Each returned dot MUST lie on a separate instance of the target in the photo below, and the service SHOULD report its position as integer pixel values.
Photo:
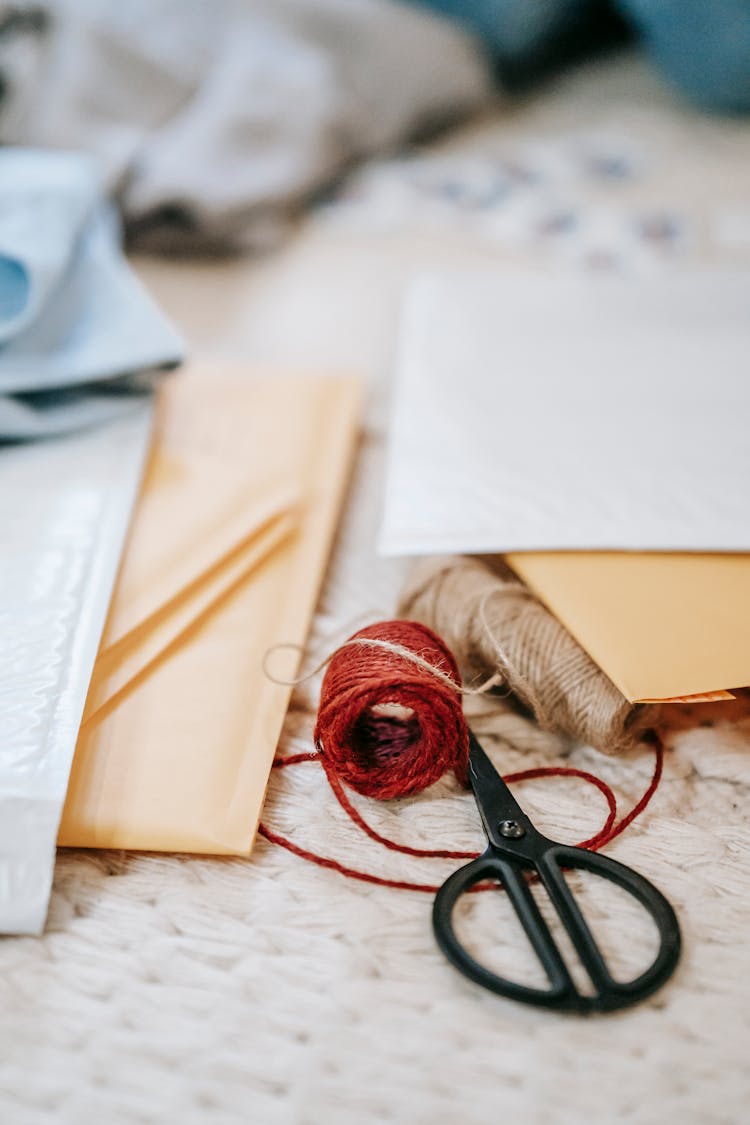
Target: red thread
(369, 747)
(390, 728)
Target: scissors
(515, 849)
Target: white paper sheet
(64, 509)
(536, 413)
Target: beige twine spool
(493, 623)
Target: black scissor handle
(562, 993)
(611, 994)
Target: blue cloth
(701, 46)
(516, 30)
(72, 312)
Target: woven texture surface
(224, 992)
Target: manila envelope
(181, 723)
(119, 664)
(662, 626)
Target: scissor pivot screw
(511, 829)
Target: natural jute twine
(493, 624)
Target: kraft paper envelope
(661, 626)
(199, 507)
(200, 500)
(179, 759)
(119, 665)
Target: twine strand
(492, 681)
(390, 724)
(608, 832)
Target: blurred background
(219, 124)
(359, 140)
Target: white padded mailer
(64, 511)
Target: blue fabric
(515, 28)
(47, 414)
(14, 290)
(72, 313)
(701, 46)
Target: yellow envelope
(202, 497)
(179, 760)
(119, 665)
(662, 626)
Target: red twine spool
(390, 726)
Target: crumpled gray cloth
(216, 120)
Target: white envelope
(571, 413)
(64, 510)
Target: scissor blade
(498, 807)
